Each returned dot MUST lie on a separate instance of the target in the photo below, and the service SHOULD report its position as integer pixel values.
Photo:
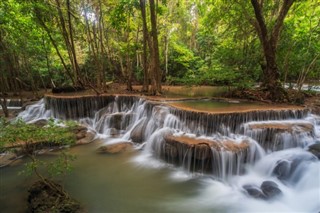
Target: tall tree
(155, 65)
(145, 87)
(269, 38)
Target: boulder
(200, 154)
(270, 189)
(67, 89)
(287, 168)
(112, 132)
(40, 122)
(282, 170)
(7, 159)
(115, 148)
(159, 114)
(203, 147)
(276, 135)
(254, 191)
(315, 149)
(88, 138)
(137, 134)
(291, 127)
(83, 135)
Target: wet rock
(286, 169)
(315, 149)
(137, 134)
(159, 114)
(83, 135)
(270, 189)
(116, 120)
(112, 132)
(88, 138)
(40, 122)
(27, 103)
(283, 170)
(7, 159)
(254, 191)
(296, 127)
(43, 198)
(199, 154)
(115, 148)
(276, 135)
(66, 89)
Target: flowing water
(156, 177)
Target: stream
(247, 149)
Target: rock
(88, 138)
(41, 122)
(112, 132)
(83, 135)
(282, 170)
(115, 148)
(270, 189)
(199, 154)
(296, 127)
(315, 149)
(66, 89)
(279, 135)
(43, 198)
(7, 158)
(137, 134)
(27, 103)
(287, 168)
(159, 114)
(254, 191)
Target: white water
(300, 189)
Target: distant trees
(45, 43)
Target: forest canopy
(49, 43)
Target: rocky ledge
(201, 154)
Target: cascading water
(256, 160)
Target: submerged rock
(41, 122)
(290, 169)
(284, 126)
(115, 148)
(137, 134)
(204, 155)
(279, 135)
(83, 135)
(270, 189)
(66, 89)
(9, 158)
(315, 149)
(254, 191)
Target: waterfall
(249, 152)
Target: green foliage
(19, 131)
(200, 43)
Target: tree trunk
(269, 40)
(145, 87)
(156, 78)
